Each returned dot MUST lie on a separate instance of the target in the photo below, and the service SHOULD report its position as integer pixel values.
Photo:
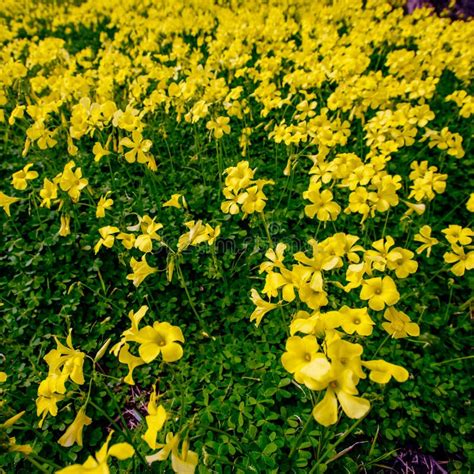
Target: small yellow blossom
(399, 324)
(141, 270)
(20, 178)
(424, 236)
(73, 434)
(6, 202)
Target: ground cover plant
(236, 237)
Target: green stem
(453, 360)
(267, 230)
(381, 345)
(338, 442)
(190, 300)
(298, 439)
(37, 465)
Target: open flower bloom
(48, 193)
(356, 320)
(379, 292)
(73, 434)
(462, 261)
(455, 234)
(303, 360)
(72, 181)
(316, 323)
(20, 178)
(50, 392)
(161, 338)
(139, 148)
(66, 361)
(98, 464)
(399, 325)
(424, 236)
(340, 387)
(107, 237)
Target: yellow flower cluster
(242, 192)
(348, 97)
(161, 338)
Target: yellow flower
(262, 307)
(107, 237)
(184, 462)
(404, 265)
(139, 148)
(48, 192)
(98, 463)
(219, 126)
(6, 202)
(382, 255)
(382, 372)
(140, 269)
(239, 176)
(461, 260)
(3, 377)
(379, 292)
(356, 320)
(171, 444)
(322, 204)
(64, 229)
(99, 152)
(234, 199)
(399, 325)
(20, 178)
(11, 445)
(303, 360)
(72, 181)
(275, 258)
(175, 201)
(12, 420)
(103, 204)
(345, 355)
(181, 463)
(73, 434)
(50, 391)
(154, 420)
(128, 240)
(455, 234)
(161, 338)
(470, 203)
(317, 323)
(149, 229)
(417, 208)
(424, 236)
(340, 387)
(66, 361)
(198, 233)
(125, 357)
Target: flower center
(356, 321)
(307, 357)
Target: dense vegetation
(235, 237)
